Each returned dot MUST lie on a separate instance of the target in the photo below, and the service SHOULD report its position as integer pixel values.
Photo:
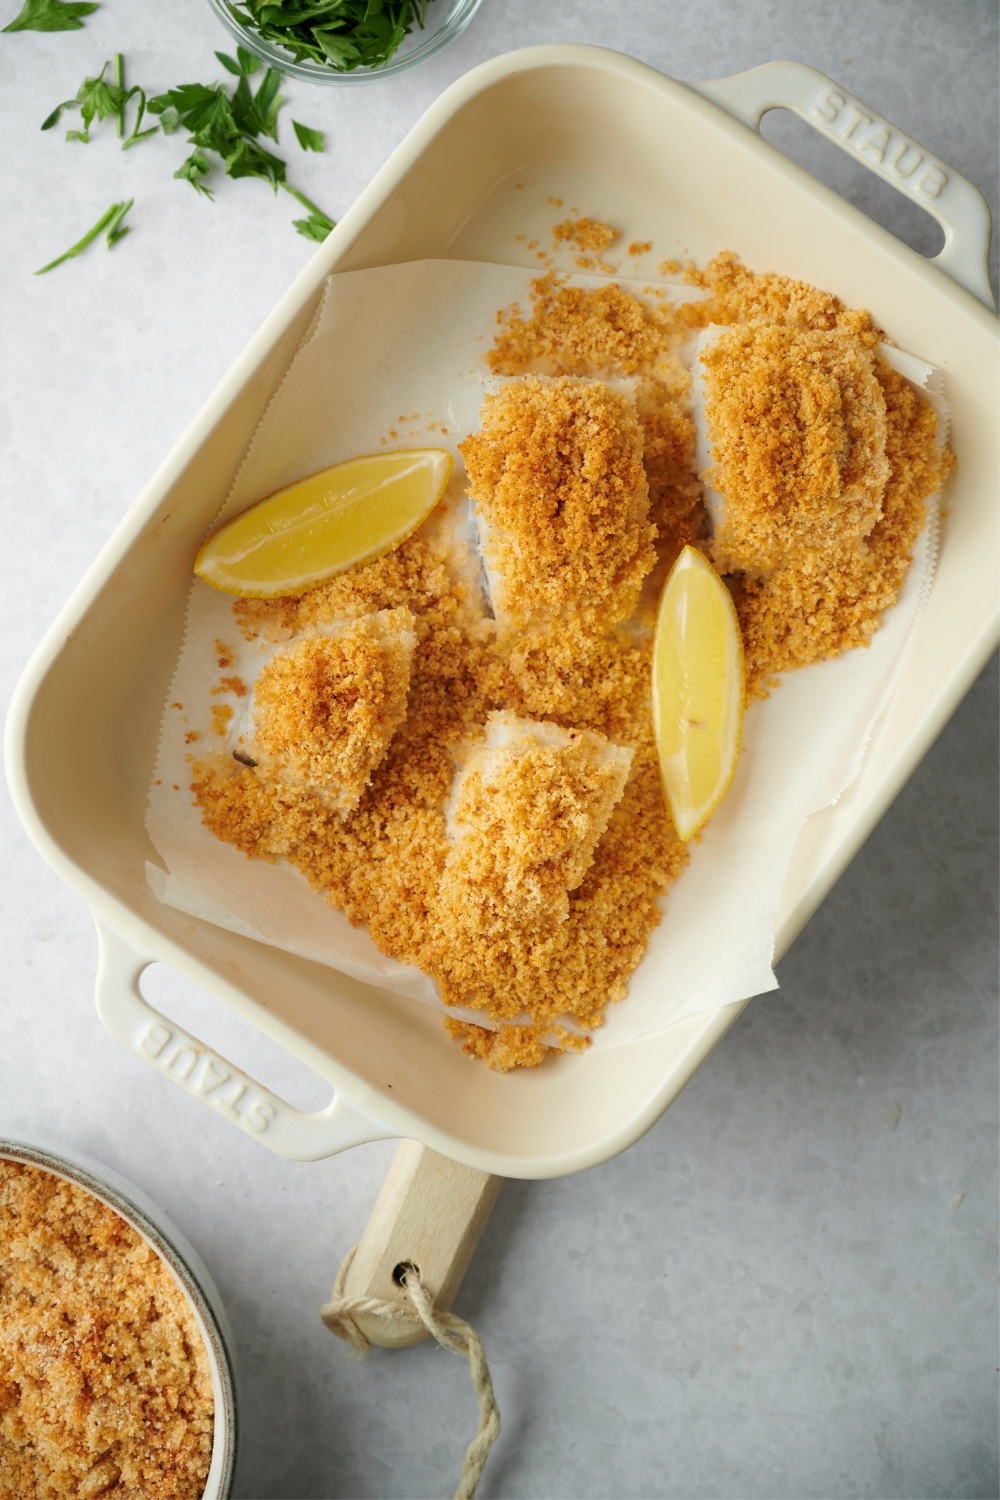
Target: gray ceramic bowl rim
(148, 1220)
(278, 57)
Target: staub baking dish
(681, 164)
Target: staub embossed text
(878, 143)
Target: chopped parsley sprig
(309, 140)
(227, 125)
(97, 96)
(340, 34)
(230, 126)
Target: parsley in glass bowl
(344, 41)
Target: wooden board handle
(430, 1214)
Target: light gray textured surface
(772, 1294)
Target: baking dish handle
(289, 1132)
(959, 208)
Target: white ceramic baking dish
(189, 1271)
(685, 166)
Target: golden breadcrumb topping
(556, 473)
(605, 331)
(832, 597)
(796, 420)
(326, 708)
(105, 1385)
(833, 601)
(530, 806)
(586, 234)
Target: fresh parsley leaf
(110, 220)
(266, 98)
(318, 224)
(251, 160)
(309, 140)
(50, 15)
(243, 64)
(339, 50)
(258, 114)
(194, 169)
(95, 97)
(230, 125)
(247, 61)
(199, 107)
(316, 227)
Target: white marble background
(774, 1293)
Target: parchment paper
(394, 352)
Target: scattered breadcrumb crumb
(586, 234)
(503, 1049)
(669, 267)
(640, 247)
(738, 295)
(105, 1385)
(221, 715)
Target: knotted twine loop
(451, 1332)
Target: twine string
(340, 1316)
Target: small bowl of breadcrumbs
(116, 1369)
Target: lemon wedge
(327, 524)
(699, 690)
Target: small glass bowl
(446, 19)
